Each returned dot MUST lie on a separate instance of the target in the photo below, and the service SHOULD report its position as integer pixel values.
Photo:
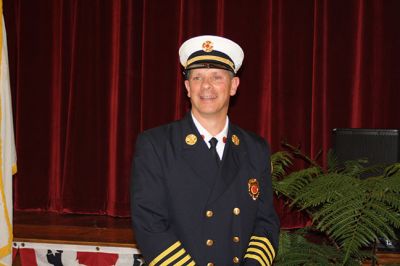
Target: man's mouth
(208, 97)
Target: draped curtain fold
(88, 76)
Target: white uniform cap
(209, 51)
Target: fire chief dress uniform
(189, 210)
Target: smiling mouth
(208, 97)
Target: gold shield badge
(191, 139)
(207, 46)
(235, 140)
(254, 189)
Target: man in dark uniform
(201, 186)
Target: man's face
(209, 90)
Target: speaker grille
(379, 146)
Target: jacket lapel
(233, 160)
(196, 153)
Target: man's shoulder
(248, 135)
(164, 133)
(257, 147)
(161, 131)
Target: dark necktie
(213, 149)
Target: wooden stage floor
(74, 229)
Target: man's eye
(196, 78)
(217, 77)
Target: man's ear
(187, 86)
(234, 85)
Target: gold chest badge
(254, 189)
(235, 140)
(191, 139)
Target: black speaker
(379, 146)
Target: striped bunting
(261, 250)
(174, 255)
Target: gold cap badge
(207, 46)
(254, 189)
(235, 140)
(191, 139)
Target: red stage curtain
(88, 76)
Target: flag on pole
(7, 152)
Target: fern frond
(354, 167)
(374, 170)
(390, 199)
(391, 183)
(295, 249)
(324, 189)
(386, 212)
(280, 162)
(296, 181)
(392, 170)
(356, 219)
(333, 161)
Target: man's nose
(206, 84)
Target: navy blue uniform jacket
(188, 211)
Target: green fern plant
(295, 249)
(351, 212)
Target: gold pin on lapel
(254, 189)
(191, 139)
(235, 140)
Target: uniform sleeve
(263, 244)
(151, 224)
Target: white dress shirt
(221, 136)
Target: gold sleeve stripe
(263, 247)
(174, 257)
(260, 254)
(183, 260)
(165, 253)
(255, 257)
(191, 263)
(211, 57)
(266, 240)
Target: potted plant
(349, 214)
